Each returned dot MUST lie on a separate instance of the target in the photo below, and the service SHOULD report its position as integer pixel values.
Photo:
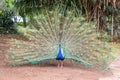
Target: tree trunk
(24, 21)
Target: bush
(6, 23)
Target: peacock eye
(52, 19)
(92, 39)
(40, 30)
(98, 42)
(58, 21)
(93, 26)
(53, 25)
(98, 34)
(46, 24)
(75, 29)
(93, 45)
(67, 18)
(35, 17)
(51, 12)
(86, 42)
(30, 47)
(85, 24)
(69, 12)
(89, 31)
(82, 29)
(18, 46)
(105, 46)
(43, 18)
(64, 25)
(11, 49)
(39, 23)
(71, 24)
(74, 18)
(64, 30)
(82, 18)
(13, 57)
(59, 14)
(91, 50)
(97, 49)
(79, 23)
(36, 36)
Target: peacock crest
(76, 36)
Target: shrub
(6, 23)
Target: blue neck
(60, 53)
(60, 49)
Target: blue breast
(60, 54)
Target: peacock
(57, 34)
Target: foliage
(9, 4)
(93, 9)
(27, 6)
(2, 4)
(102, 11)
(6, 22)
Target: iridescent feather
(76, 36)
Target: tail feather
(74, 33)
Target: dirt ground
(47, 73)
(47, 70)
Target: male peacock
(55, 31)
